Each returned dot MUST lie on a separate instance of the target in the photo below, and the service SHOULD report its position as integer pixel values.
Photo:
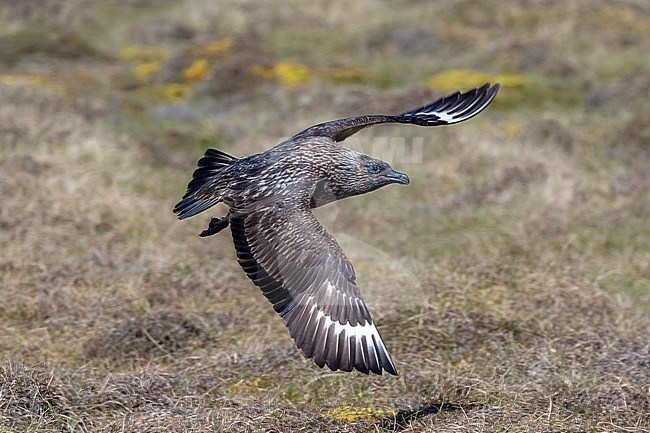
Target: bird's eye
(373, 168)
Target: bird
(282, 247)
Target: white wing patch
(367, 330)
(361, 341)
(450, 117)
(441, 115)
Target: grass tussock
(155, 333)
(510, 280)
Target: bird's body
(281, 245)
(313, 166)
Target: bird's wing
(304, 273)
(451, 109)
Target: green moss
(49, 42)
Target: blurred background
(511, 278)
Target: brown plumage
(283, 248)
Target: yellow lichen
(455, 79)
(137, 52)
(516, 89)
(33, 81)
(286, 73)
(347, 75)
(197, 71)
(17, 79)
(131, 52)
(215, 48)
(348, 413)
(172, 90)
(145, 70)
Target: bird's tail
(196, 200)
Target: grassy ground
(510, 280)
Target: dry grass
(510, 280)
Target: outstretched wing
(304, 273)
(451, 109)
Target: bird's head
(362, 173)
(377, 173)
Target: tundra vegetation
(510, 280)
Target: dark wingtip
(494, 88)
(391, 369)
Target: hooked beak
(397, 177)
